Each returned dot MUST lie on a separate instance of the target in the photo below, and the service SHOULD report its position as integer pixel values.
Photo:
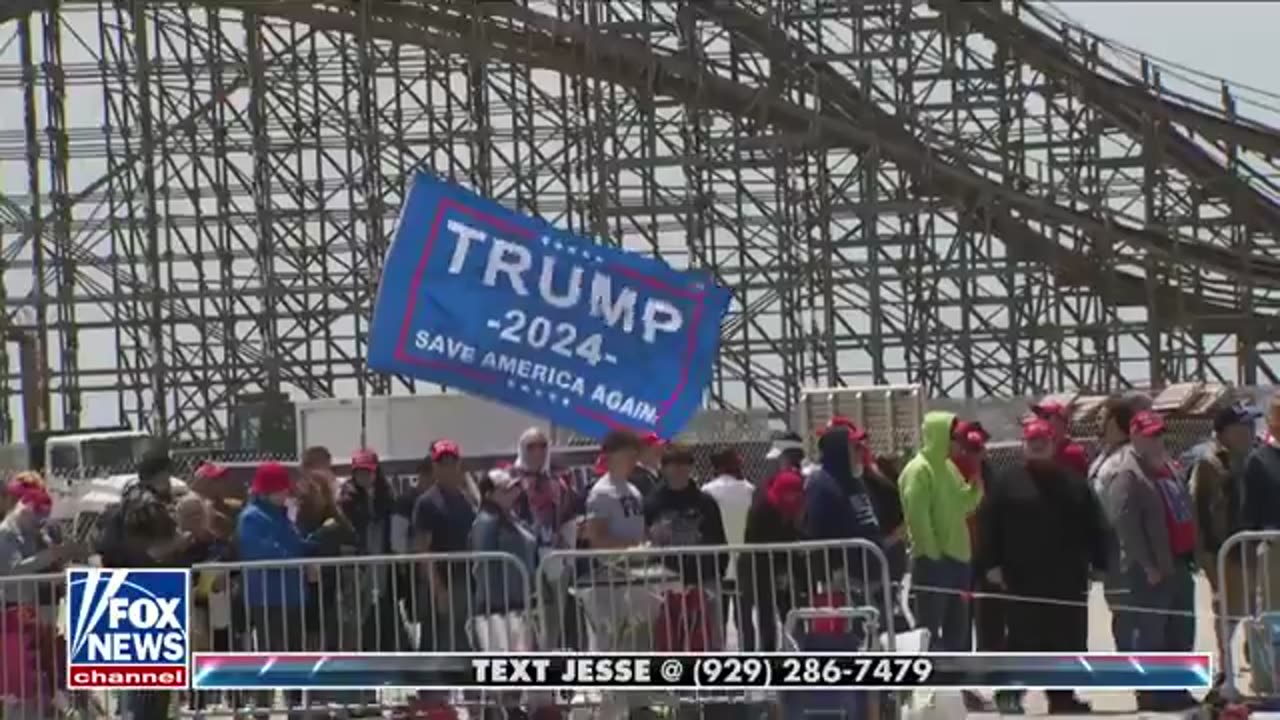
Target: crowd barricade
(703, 599)
(32, 648)
(1247, 596)
(454, 602)
(655, 599)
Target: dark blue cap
(1241, 413)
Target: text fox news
(128, 629)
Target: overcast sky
(1234, 40)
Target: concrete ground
(1115, 704)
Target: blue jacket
(265, 532)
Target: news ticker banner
(702, 671)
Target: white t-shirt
(618, 504)
(734, 497)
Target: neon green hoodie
(935, 497)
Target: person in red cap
(368, 502)
(1041, 536)
(886, 500)
(1150, 511)
(648, 473)
(1071, 454)
(442, 521)
(276, 598)
(12, 489)
(766, 579)
(24, 547)
(969, 455)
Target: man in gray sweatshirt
(1151, 514)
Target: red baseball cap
(1049, 409)
(271, 478)
(1037, 430)
(1146, 424)
(210, 471)
(856, 433)
(441, 449)
(651, 440)
(364, 459)
(34, 495)
(971, 433)
(19, 485)
(786, 492)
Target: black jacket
(1262, 488)
(1038, 518)
(695, 520)
(764, 570)
(362, 511)
(645, 480)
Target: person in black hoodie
(1041, 516)
(368, 504)
(838, 507)
(769, 580)
(678, 514)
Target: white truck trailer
(403, 426)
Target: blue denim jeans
(940, 588)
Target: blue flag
(502, 305)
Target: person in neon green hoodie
(937, 500)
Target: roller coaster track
(1208, 121)
(1129, 105)
(517, 34)
(995, 187)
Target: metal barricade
(676, 599)
(1247, 591)
(33, 651)
(455, 602)
(441, 602)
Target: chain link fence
(1189, 422)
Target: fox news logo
(128, 629)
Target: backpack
(684, 623)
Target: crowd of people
(997, 561)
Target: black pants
(1061, 626)
(990, 619)
(768, 603)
